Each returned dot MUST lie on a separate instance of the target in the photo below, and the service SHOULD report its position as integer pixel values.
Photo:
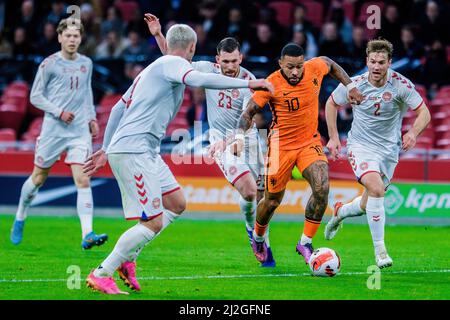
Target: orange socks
(310, 228)
(260, 230)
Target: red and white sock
(376, 219)
(351, 209)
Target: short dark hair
(228, 45)
(292, 50)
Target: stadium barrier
(206, 190)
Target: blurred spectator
(390, 25)
(213, 24)
(237, 28)
(357, 49)
(434, 25)
(409, 46)
(331, 44)
(343, 25)
(88, 17)
(21, 45)
(266, 43)
(6, 49)
(113, 22)
(436, 68)
(48, 43)
(88, 45)
(203, 46)
(268, 16)
(28, 20)
(197, 110)
(112, 47)
(136, 46)
(138, 24)
(132, 70)
(300, 22)
(307, 43)
(57, 12)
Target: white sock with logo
(376, 220)
(27, 194)
(85, 209)
(248, 209)
(351, 209)
(127, 248)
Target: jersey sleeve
(410, 96)
(247, 93)
(89, 98)
(37, 97)
(177, 69)
(321, 66)
(262, 97)
(339, 95)
(203, 66)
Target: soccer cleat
(250, 235)
(333, 225)
(93, 239)
(17, 232)
(260, 250)
(383, 260)
(105, 285)
(127, 272)
(270, 262)
(305, 250)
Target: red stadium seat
(422, 90)
(19, 85)
(284, 11)
(7, 135)
(127, 9)
(10, 117)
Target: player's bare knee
(179, 206)
(154, 224)
(249, 194)
(273, 204)
(376, 190)
(82, 182)
(39, 179)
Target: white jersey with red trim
(377, 120)
(152, 102)
(224, 107)
(64, 85)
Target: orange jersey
(295, 109)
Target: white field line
(238, 276)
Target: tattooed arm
(338, 73)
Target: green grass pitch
(213, 260)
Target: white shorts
(250, 161)
(143, 180)
(49, 150)
(364, 161)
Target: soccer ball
(324, 262)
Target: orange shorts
(279, 163)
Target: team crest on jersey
(315, 82)
(232, 170)
(40, 160)
(235, 93)
(387, 96)
(364, 166)
(83, 69)
(156, 203)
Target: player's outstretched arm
(237, 139)
(337, 72)
(333, 145)
(155, 29)
(422, 120)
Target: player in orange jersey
(293, 140)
